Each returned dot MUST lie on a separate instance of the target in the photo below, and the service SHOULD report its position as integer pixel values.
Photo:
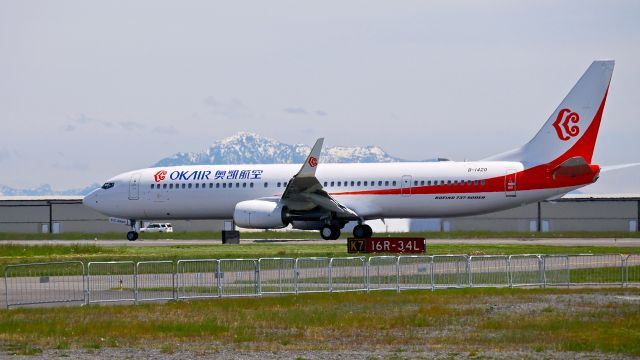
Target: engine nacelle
(259, 214)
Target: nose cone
(91, 200)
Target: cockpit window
(108, 185)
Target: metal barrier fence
(382, 273)
(111, 281)
(348, 274)
(198, 279)
(526, 270)
(42, 283)
(156, 280)
(313, 275)
(118, 281)
(277, 275)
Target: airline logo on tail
(563, 124)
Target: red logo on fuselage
(563, 124)
(313, 162)
(160, 175)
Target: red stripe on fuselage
(535, 178)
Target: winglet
(311, 163)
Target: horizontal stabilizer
(573, 167)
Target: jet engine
(260, 214)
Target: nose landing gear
(133, 234)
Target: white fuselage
(373, 190)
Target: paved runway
(171, 242)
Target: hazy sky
(89, 89)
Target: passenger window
(422, 183)
(482, 183)
(386, 183)
(224, 185)
(455, 182)
(332, 183)
(358, 183)
(170, 186)
(284, 184)
(415, 183)
(190, 185)
(279, 184)
(197, 185)
(339, 183)
(237, 185)
(217, 185)
(394, 183)
(250, 185)
(365, 183)
(379, 183)
(153, 185)
(244, 185)
(266, 184)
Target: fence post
(509, 274)
(469, 274)
(295, 276)
(135, 282)
(218, 276)
(433, 282)
(258, 278)
(398, 273)
(331, 275)
(6, 288)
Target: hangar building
(59, 214)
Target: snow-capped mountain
(242, 148)
(45, 189)
(250, 148)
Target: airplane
(325, 197)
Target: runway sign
(396, 245)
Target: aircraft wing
(304, 191)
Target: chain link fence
(127, 281)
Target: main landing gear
(133, 234)
(330, 232)
(362, 231)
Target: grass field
(11, 254)
(478, 320)
(315, 235)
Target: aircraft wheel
(368, 231)
(326, 232)
(335, 232)
(132, 236)
(359, 231)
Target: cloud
(165, 130)
(6, 154)
(131, 125)
(72, 166)
(83, 120)
(232, 109)
(297, 110)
